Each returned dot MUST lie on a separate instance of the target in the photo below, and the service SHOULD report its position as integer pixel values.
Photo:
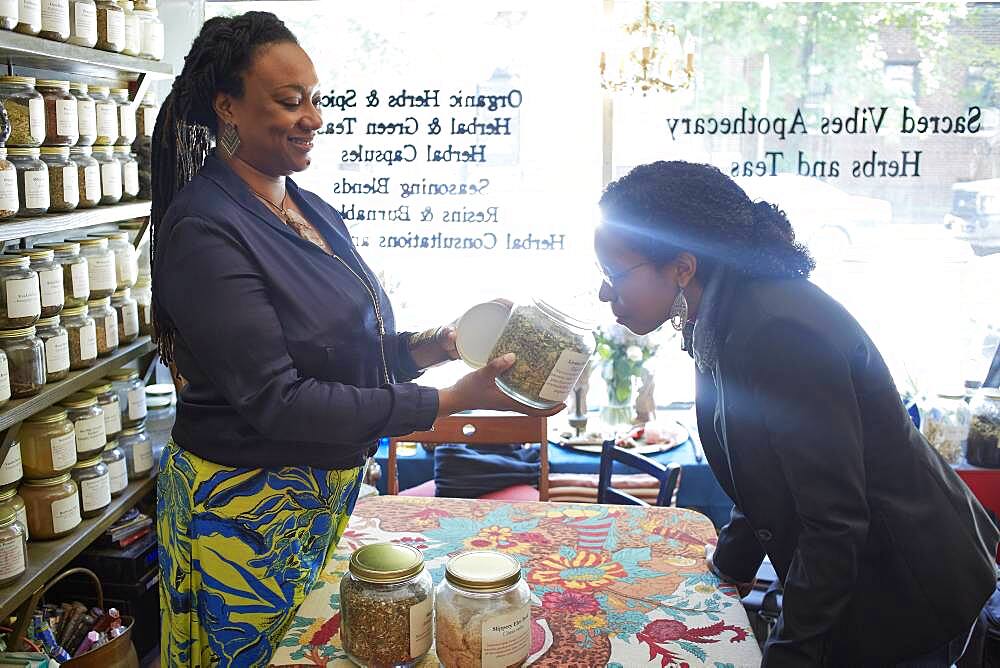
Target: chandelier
(648, 57)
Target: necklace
(279, 209)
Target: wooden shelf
(25, 51)
(20, 409)
(47, 559)
(53, 223)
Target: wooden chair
(478, 429)
(669, 476)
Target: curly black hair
(664, 208)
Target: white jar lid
(478, 330)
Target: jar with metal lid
(88, 176)
(114, 457)
(48, 443)
(76, 278)
(29, 17)
(53, 506)
(145, 116)
(483, 612)
(133, 34)
(386, 606)
(100, 266)
(984, 428)
(5, 389)
(56, 341)
(944, 421)
(64, 179)
(106, 322)
(32, 181)
(8, 14)
(11, 501)
(86, 112)
(132, 395)
(11, 471)
(111, 174)
(20, 297)
(62, 118)
(94, 482)
(143, 295)
(9, 203)
(55, 20)
(25, 110)
(138, 449)
(152, 30)
(126, 263)
(82, 337)
(110, 26)
(126, 117)
(107, 399)
(83, 24)
(50, 279)
(88, 424)
(13, 545)
(127, 312)
(130, 173)
(161, 415)
(106, 112)
(26, 360)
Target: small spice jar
(20, 298)
(55, 20)
(130, 173)
(29, 17)
(152, 29)
(106, 112)
(64, 179)
(86, 112)
(50, 279)
(107, 399)
(88, 424)
(132, 395)
(114, 457)
(133, 34)
(483, 612)
(11, 471)
(145, 116)
(106, 323)
(110, 26)
(83, 23)
(984, 428)
(100, 266)
(52, 505)
(94, 482)
(126, 117)
(32, 181)
(25, 110)
(11, 501)
(82, 337)
(8, 14)
(386, 606)
(143, 295)
(5, 389)
(138, 449)
(126, 262)
(944, 421)
(26, 359)
(127, 312)
(111, 174)
(9, 203)
(56, 340)
(88, 174)
(62, 117)
(13, 545)
(76, 277)
(48, 444)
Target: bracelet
(426, 336)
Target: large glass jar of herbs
(132, 395)
(984, 429)
(143, 295)
(127, 312)
(88, 172)
(50, 279)
(25, 359)
(386, 606)
(100, 266)
(111, 174)
(152, 29)
(126, 262)
(55, 20)
(944, 421)
(62, 117)
(76, 277)
(106, 323)
(106, 113)
(107, 399)
(8, 186)
(56, 341)
(86, 113)
(29, 17)
(48, 444)
(94, 482)
(83, 23)
(133, 36)
(64, 179)
(126, 117)
(114, 457)
(82, 337)
(130, 173)
(138, 449)
(88, 424)
(20, 298)
(32, 181)
(53, 507)
(110, 26)
(25, 110)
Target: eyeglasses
(612, 278)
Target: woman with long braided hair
(884, 555)
(285, 339)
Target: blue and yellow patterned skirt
(239, 550)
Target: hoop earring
(229, 140)
(679, 310)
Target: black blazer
(883, 551)
(278, 340)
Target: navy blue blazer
(278, 340)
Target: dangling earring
(679, 310)
(229, 140)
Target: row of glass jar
(957, 429)
(119, 26)
(60, 113)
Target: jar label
(118, 474)
(4, 379)
(63, 451)
(507, 639)
(102, 272)
(22, 517)
(11, 470)
(116, 27)
(111, 331)
(142, 456)
(96, 492)
(148, 120)
(51, 281)
(112, 417)
(57, 354)
(80, 276)
(147, 314)
(421, 627)
(8, 191)
(137, 403)
(90, 434)
(23, 300)
(36, 189)
(55, 18)
(127, 121)
(564, 375)
(88, 341)
(111, 179)
(71, 184)
(36, 117)
(92, 183)
(154, 39)
(133, 38)
(107, 120)
(130, 318)
(12, 562)
(66, 514)
(30, 12)
(86, 113)
(132, 178)
(67, 118)
(86, 29)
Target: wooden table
(619, 586)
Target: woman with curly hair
(884, 555)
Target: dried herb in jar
(385, 640)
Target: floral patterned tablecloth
(617, 586)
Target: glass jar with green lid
(13, 543)
(83, 23)
(132, 395)
(50, 279)
(32, 181)
(29, 17)
(8, 14)
(114, 457)
(106, 322)
(94, 482)
(143, 295)
(86, 113)
(107, 399)
(11, 471)
(10, 500)
(126, 262)
(110, 26)
(9, 203)
(100, 266)
(52, 505)
(76, 278)
(82, 337)
(386, 587)
(26, 361)
(138, 449)
(20, 299)
(64, 179)
(25, 110)
(55, 20)
(152, 29)
(88, 424)
(126, 117)
(88, 175)
(130, 173)
(106, 112)
(111, 174)
(62, 118)
(133, 34)
(48, 443)
(127, 312)
(56, 341)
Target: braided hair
(187, 124)
(664, 208)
